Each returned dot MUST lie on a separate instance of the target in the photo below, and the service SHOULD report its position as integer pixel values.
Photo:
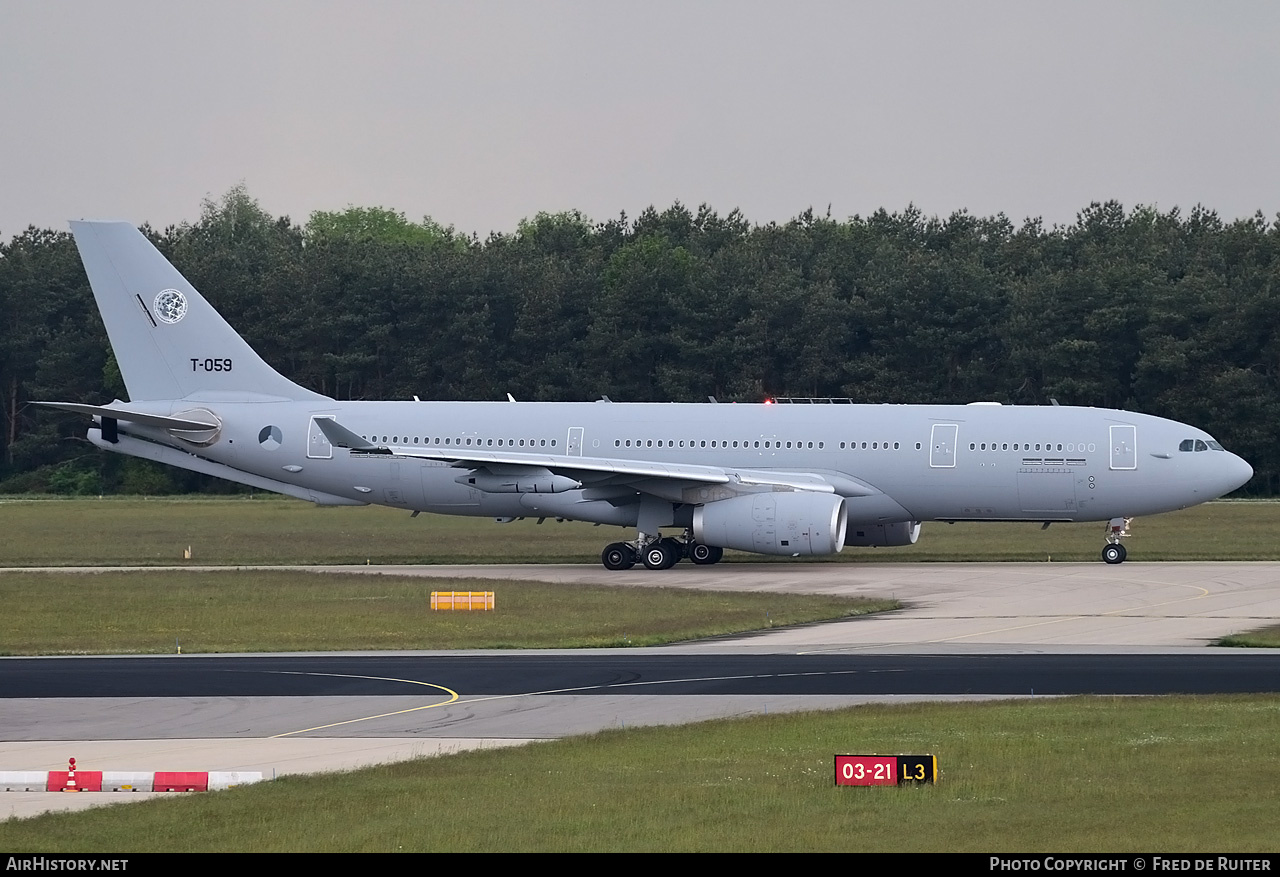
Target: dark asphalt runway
(523, 673)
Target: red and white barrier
(74, 780)
(24, 780)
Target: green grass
(1262, 638)
(153, 617)
(153, 612)
(1184, 774)
(241, 530)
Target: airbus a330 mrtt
(780, 479)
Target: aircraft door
(1047, 490)
(1124, 447)
(394, 492)
(942, 445)
(574, 446)
(318, 447)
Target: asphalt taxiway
(969, 631)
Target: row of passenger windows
(469, 442)
(767, 444)
(1027, 446)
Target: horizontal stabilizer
(157, 420)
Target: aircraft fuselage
(891, 462)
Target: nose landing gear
(1117, 529)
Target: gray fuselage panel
(994, 463)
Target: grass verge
(156, 611)
(1182, 774)
(119, 531)
(1262, 638)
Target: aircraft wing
(645, 476)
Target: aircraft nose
(1238, 473)
(1220, 473)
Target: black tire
(1114, 553)
(679, 549)
(618, 555)
(659, 555)
(705, 555)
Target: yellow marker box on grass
(468, 600)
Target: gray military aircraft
(781, 479)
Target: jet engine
(901, 533)
(790, 523)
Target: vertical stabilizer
(169, 342)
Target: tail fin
(169, 342)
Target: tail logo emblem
(171, 306)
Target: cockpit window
(1187, 444)
(1199, 445)
(1215, 446)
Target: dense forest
(1165, 313)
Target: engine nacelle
(901, 533)
(790, 523)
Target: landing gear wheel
(618, 555)
(705, 555)
(660, 555)
(1114, 553)
(677, 547)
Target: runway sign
(885, 770)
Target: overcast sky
(480, 114)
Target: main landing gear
(659, 552)
(1117, 529)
